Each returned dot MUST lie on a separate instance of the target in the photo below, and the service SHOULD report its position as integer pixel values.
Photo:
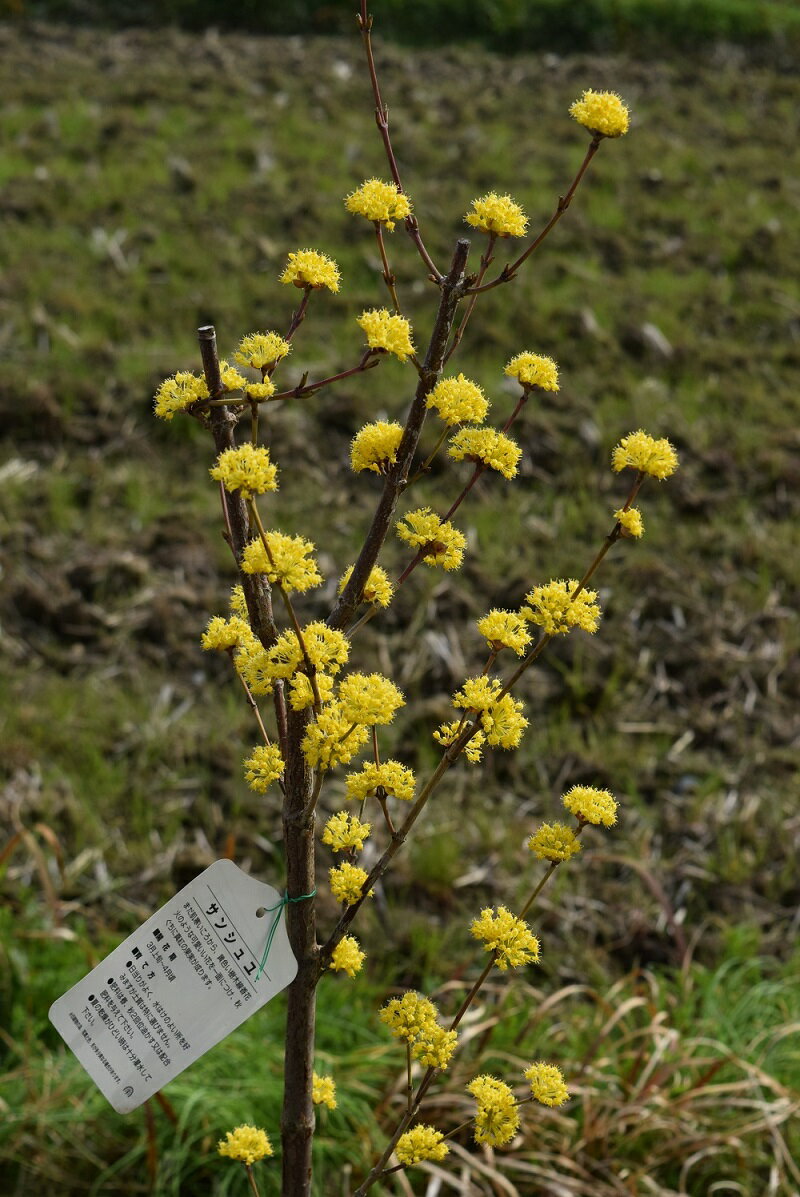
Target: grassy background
(138, 203)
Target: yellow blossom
(630, 520)
(420, 1143)
(260, 390)
(497, 214)
(590, 805)
(225, 633)
(347, 956)
(327, 650)
(347, 883)
(409, 1016)
(477, 693)
(547, 1084)
(369, 698)
(508, 937)
(308, 268)
(434, 1046)
(638, 451)
(497, 1116)
(458, 401)
(440, 543)
(382, 202)
(392, 777)
(230, 377)
(344, 831)
(247, 469)
(301, 692)
(247, 1144)
(178, 392)
(238, 603)
(504, 723)
(332, 739)
(534, 370)
(493, 449)
(447, 733)
(601, 112)
(323, 1091)
(261, 350)
(554, 842)
(263, 766)
(375, 447)
(290, 564)
(553, 608)
(387, 331)
(504, 629)
(377, 589)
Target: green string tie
(278, 907)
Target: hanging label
(188, 977)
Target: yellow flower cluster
(392, 777)
(323, 1091)
(230, 377)
(420, 1143)
(347, 956)
(504, 629)
(291, 562)
(247, 469)
(630, 520)
(494, 449)
(533, 370)
(347, 882)
(178, 392)
(414, 1019)
(378, 588)
(387, 331)
(501, 718)
(369, 698)
(308, 268)
(590, 805)
(601, 112)
(344, 831)
(508, 937)
(263, 766)
(440, 542)
(447, 733)
(238, 603)
(247, 1144)
(375, 447)
(327, 651)
(332, 739)
(225, 633)
(552, 607)
(301, 692)
(498, 214)
(554, 842)
(382, 202)
(261, 350)
(458, 401)
(497, 1115)
(638, 451)
(547, 1084)
(260, 390)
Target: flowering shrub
(325, 712)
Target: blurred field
(150, 182)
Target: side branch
(397, 478)
(257, 591)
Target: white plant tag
(177, 986)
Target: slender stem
(368, 362)
(397, 476)
(388, 276)
(564, 201)
(290, 611)
(299, 316)
(252, 1180)
(486, 260)
(382, 121)
(409, 1082)
(423, 469)
(251, 702)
